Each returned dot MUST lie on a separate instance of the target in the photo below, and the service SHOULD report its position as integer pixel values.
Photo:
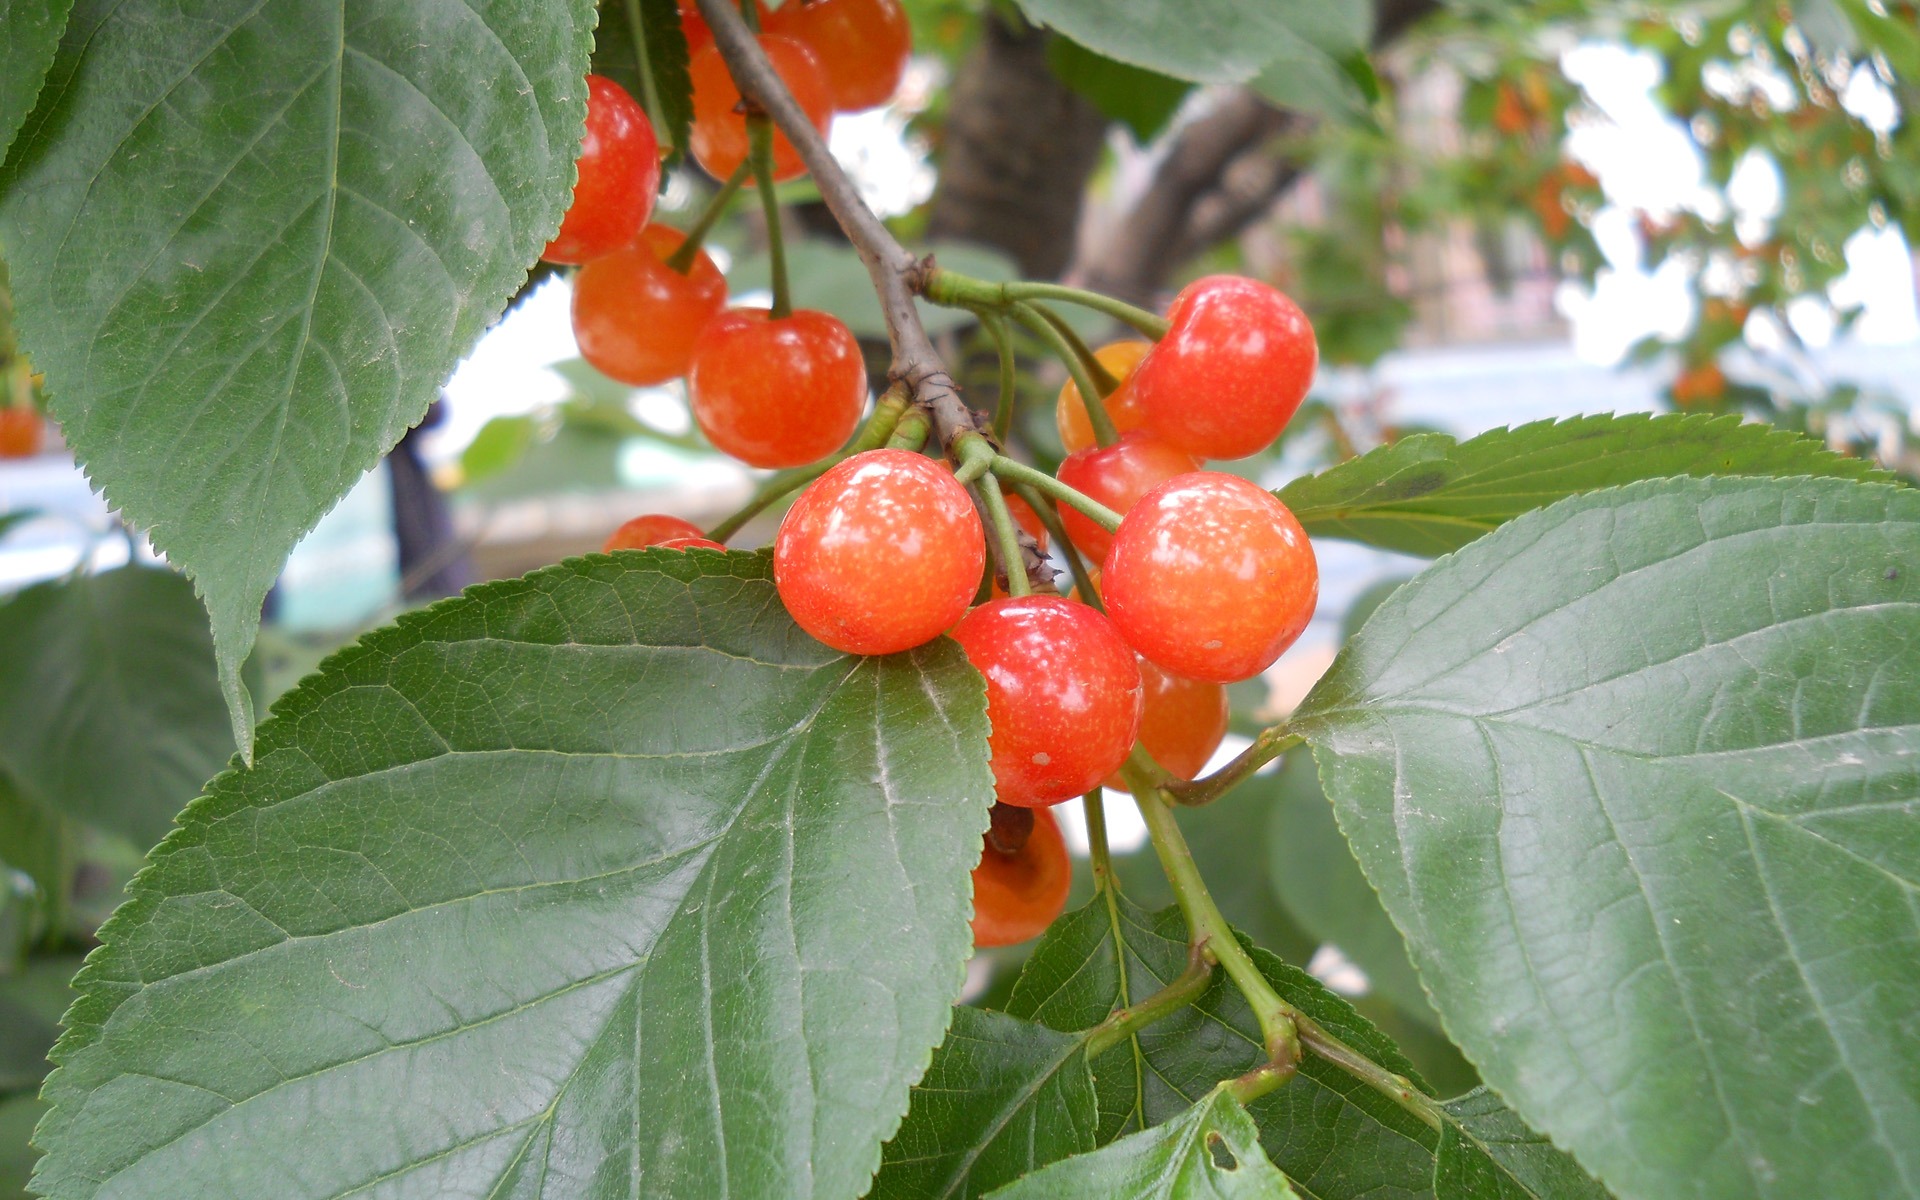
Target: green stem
(1099, 855)
(1261, 1080)
(996, 327)
(750, 13)
(1019, 472)
(1043, 508)
(1106, 381)
(1090, 393)
(760, 138)
(1279, 1021)
(874, 434)
(682, 257)
(1006, 536)
(1271, 744)
(963, 291)
(912, 432)
(1183, 989)
(649, 90)
(1397, 1088)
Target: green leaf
(1637, 776)
(1074, 978)
(1429, 494)
(501, 443)
(602, 882)
(1488, 1151)
(39, 843)
(19, 516)
(31, 1002)
(616, 54)
(1002, 1098)
(1305, 78)
(1144, 101)
(1204, 41)
(109, 709)
(1321, 886)
(248, 243)
(26, 53)
(1210, 1152)
(18, 1115)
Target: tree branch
(892, 267)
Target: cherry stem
(1099, 854)
(1271, 744)
(683, 255)
(963, 291)
(1103, 380)
(911, 433)
(894, 270)
(1183, 989)
(996, 327)
(1397, 1088)
(760, 138)
(649, 90)
(1006, 535)
(1050, 517)
(1279, 1021)
(875, 433)
(1019, 472)
(1090, 394)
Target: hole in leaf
(1222, 1157)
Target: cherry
(880, 554)
(862, 45)
(1210, 577)
(1063, 695)
(698, 33)
(1182, 722)
(1116, 476)
(777, 392)
(1019, 890)
(619, 173)
(635, 317)
(1231, 371)
(650, 529)
(719, 137)
(1120, 359)
(688, 543)
(1027, 519)
(22, 431)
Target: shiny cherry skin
(636, 318)
(698, 33)
(650, 529)
(619, 175)
(1182, 722)
(777, 392)
(1063, 695)
(880, 554)
(719, 137)
(1210, 577)
(1231, 371)
(1120, 359)
(688, 543)
(1026, 518)
(862, 45)
(22, 431)
(1017, 895)
(1117, 476)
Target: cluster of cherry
(771, 389)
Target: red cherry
(22, 431)
(1017, 895)
(699, 34)
(635, 317)
(688, 543)
(880, 554)
(1120, 359)
(862, 45)
(1063, 695)
(719, 137)
(1231, 371)
(1210, 577)
(619, 174)
(1026, 518)
(777, 393)
(650, 529)
(1116, 476)
(1182, 722)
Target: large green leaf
(1142, 100)
(110, 711)
(1002, 1097)
(1333, 1137)
(26, 52)
(1206, 41)
(1210, 1152)
(1429, 494)
(617, 52)
(39, 843)
(1637, 776)
(1488, 1151)
(249, 240)
(602, 882)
